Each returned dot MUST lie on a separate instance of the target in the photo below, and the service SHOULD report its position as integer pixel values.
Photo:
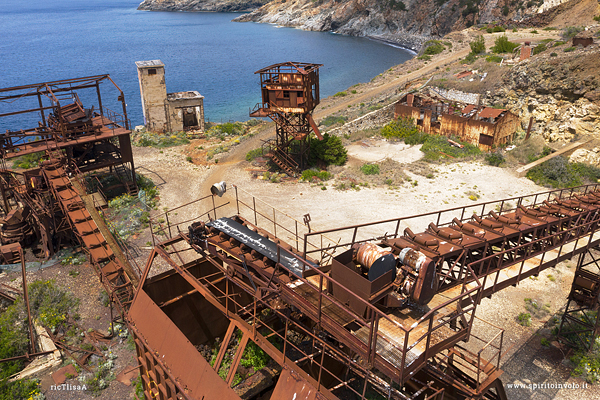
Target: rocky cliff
(201, 5)
(560, 92)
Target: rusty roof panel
(468, 108)
(291, 386)
(176, 351)
(488, 112)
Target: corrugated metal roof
(488, 112)
(468, 108)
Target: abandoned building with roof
(167, 112)
(481, 126)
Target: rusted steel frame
(564, 240)
(585, 187)
(27, 356)
(237, 358)
(151, 352)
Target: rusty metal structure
(356, 312)
(290, 92)
(481, 126)
(51, 204)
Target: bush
(424, 57)
(340, 94)
(494, 159)
(309, 175)
(570, 32)
(436, 147)
(403, 128)
(330, 150)
(559, 173)
(539, 48)
(28, 160)
(553, 54)
(332, 120)
(435, 47)
(569, 49)
(505, 10)
(558, 43)
(370, 169)
(524, 319)
(478, 46)
(503, 45)
(252, 154)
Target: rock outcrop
(561, 93)
(201, 5)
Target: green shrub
(403, 128)
(597, 18)
(494, 159)
(159, 140)
(434, 47)
(252, 154)
(524, 319)
(494, 59)
(226, 129)
(28, 160)
(559, 173)
(553, 54)
(570, 32)
(50, 304)
(569, 49)
(370, 169)
(424, 57)
(539, 48)
(309, 175)
(534, 32)
(330, 150)
(340, 94)
(503, 45)
(332, 120)
(505, 10)
(558, 43)
(436, 147)
(550, 28)
(478, 46)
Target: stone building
(167, 112)
(481, 126)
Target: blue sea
(48, 40)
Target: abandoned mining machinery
(290, 93)
(371, 310)
(55, 202)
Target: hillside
(201, 5)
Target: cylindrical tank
(377, 260)
(368, 253)
(412, 258)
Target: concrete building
(481, 126)
(167, 112)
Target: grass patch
(494, 59)
(313, 175)
(28, 160)
(332, 120)
(150, 139)
(524, 319)
(434, 47)
(569, 49)
(558, 172)
(340, 94)
(539, 48)
(370, 169)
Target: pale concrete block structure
(170, 112)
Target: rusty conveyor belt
(261, 244)
(112, 272)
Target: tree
(503, 45)
(329, 150)
(478, 46)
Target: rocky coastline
(201, 5)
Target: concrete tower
(151, 75)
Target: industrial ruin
(481, 126)
(290, 93)
(346, 312)
(55, 204)
(383, 308)
(172, 112)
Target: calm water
(48, 40)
